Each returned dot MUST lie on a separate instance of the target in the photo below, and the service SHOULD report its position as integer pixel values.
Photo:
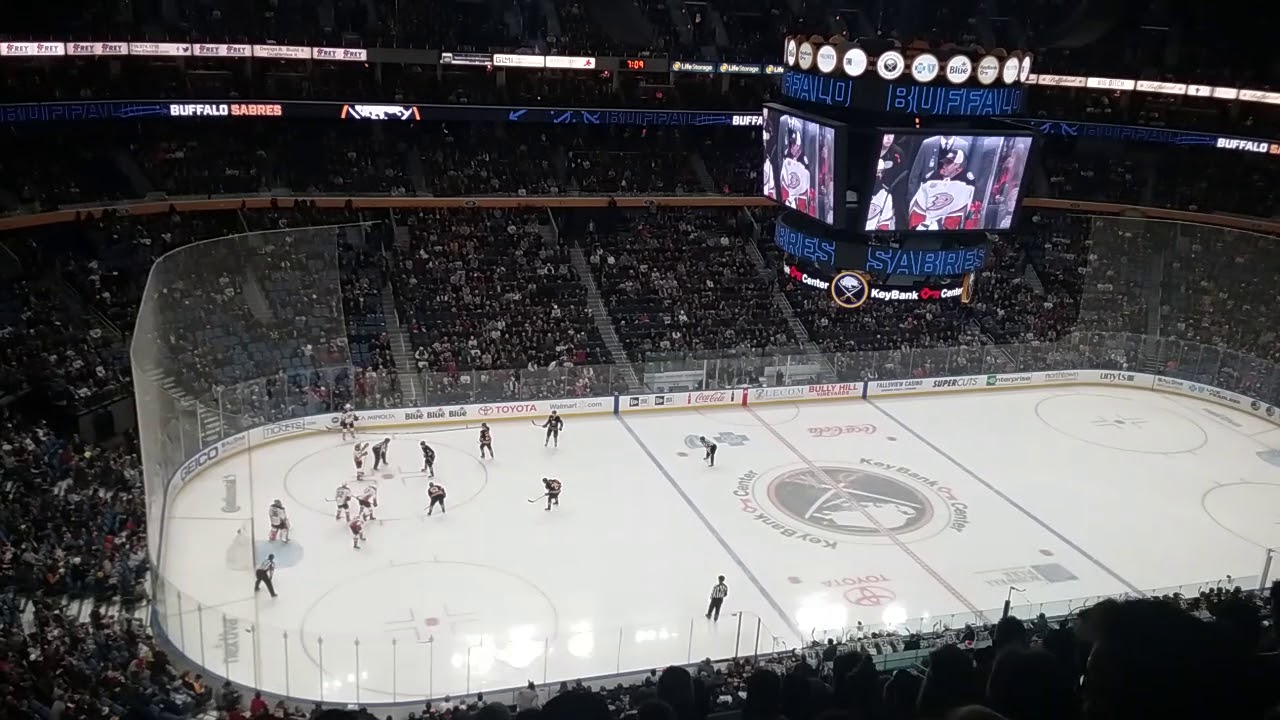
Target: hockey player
(357, 532)
(279, 522)
(552, 488)
(348, 422)
(945, 199)
(368, 501)
(797, 178)
(880, 211)
(710, 457)
(428, 458)
(361, 451)
(553, 425)
(436, 494)
(486, 440)
(342, 497)
(380, 452)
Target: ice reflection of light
(524, 647)
(819, 611)
(894, 615)
(654, 635)
(582, 641)
(479, 656)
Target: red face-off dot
(431, 622)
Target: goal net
(240, 552)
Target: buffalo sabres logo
(940, 201)
(850, 289)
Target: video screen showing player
(800, 165)
(880, 212)
(939, 182)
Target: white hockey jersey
(770, 190)
(797, 188)
(880, 211)
(941, 204)
(278, 516)
(342, 494)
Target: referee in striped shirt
(718, 594)
(265, 571)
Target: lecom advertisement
(803, 164)
(936, 183)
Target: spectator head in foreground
(1030, 684)
(1150, 658)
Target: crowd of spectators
(489, 300)
(682, 282)
(495, 304)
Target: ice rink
(820, 515)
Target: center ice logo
(850, 501)
(874, 502)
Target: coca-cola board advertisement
(714, 397)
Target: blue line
(711, 529)
(1133, 588)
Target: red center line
(906, 549)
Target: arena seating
(681, 282)
(491, 299)
(495, 308)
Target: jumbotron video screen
(934, 182)
(803, 166)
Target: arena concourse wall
(406, 418)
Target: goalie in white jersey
(342, 499)
(945, 199)
(279, 522)
(797, 178)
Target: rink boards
(621, 404)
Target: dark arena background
(593, 360)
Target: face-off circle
(1121, 423)
(404, 604)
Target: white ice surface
(820, 515)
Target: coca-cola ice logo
(706, 398)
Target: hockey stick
(534, 423)
(536, 499)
